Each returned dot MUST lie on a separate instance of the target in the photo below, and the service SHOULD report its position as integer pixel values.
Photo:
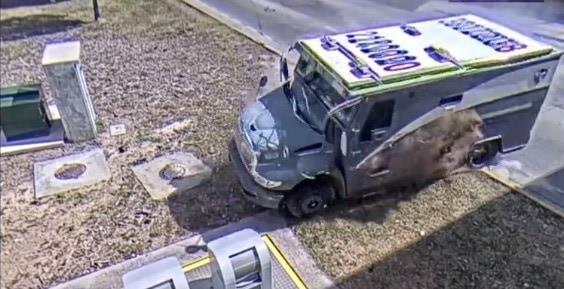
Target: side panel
(507, 99)
(512, 118)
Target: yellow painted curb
(196, 264)
(507, 182)
(290, 271)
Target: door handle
(378, 134)
(540, 75)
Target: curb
(252, 34)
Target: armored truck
(389, 106)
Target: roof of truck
(376, 57)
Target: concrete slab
(49, 178)
(171, 173)
(61, 52)
(117, 129)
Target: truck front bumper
(251, 190)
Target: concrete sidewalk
(193, 248)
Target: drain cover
(70, 171)
(168, 174)
(172, 171)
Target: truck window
(304, 65)
(450, 100)
(380, 117)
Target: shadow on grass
(212, 204)
(6, 4)
(508, 243)
(21, 27)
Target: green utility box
(22, 114)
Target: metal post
(96, 9)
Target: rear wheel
(482, 153)
(310, 199)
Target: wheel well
(334, 179)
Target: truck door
(372, 127)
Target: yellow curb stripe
(507, 182)
(196, 264)
(284, 262)
(272, 248)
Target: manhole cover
(172, 172)
(70, 171)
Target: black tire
(482, 153)
(310, 199)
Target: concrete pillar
(61, 63)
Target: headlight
(264, 182)
(250, 161)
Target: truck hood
(271, 124)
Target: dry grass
(466, 231)
(148, 65)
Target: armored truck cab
(338, 126)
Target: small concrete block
(53, 112)
(172, 173)
(117, 129)
(70, 172)
(63, 52)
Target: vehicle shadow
(373, 209)
(15, 28)
(509, 242)
(215, 203)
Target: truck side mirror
(263, 81)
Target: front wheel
(310, 199)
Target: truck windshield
(314, 95)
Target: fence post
(96, 9)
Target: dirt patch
(148, 65)
(466, 231)
(438, 148)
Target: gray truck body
(507, 98)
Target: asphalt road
(286, 20)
